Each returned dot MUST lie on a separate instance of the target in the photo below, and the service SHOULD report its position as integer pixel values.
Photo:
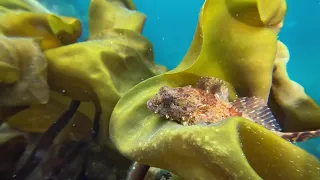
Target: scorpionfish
(208, 103)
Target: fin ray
(299, 136)
(257, 110)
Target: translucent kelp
(235, 41)
(98, 72)
(108, 79)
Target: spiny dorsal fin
(257, 110)
(214, 86)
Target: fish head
(164, 99)
(174, 103)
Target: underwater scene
(159, 90)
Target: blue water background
(171, 24)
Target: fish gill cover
(112, 74)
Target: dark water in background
(170, 27)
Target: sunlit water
(170, 26)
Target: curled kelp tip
(143, 136)
(288, 99)
(203, 151)
(231, 55)
(114, 14)
(54, 30)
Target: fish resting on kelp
(208, 103)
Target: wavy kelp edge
(54, 23)
(105, 15)
(235, 54)
(132, 153)
(50, 30)
(130, 48)
(291, 105)
(146, 138)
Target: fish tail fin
(258, 111)
(299, 136)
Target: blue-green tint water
(170, 26)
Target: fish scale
(208, 103)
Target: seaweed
(113, 74)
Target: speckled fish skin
(191, 106)
(208, 103)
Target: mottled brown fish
(208, 103)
